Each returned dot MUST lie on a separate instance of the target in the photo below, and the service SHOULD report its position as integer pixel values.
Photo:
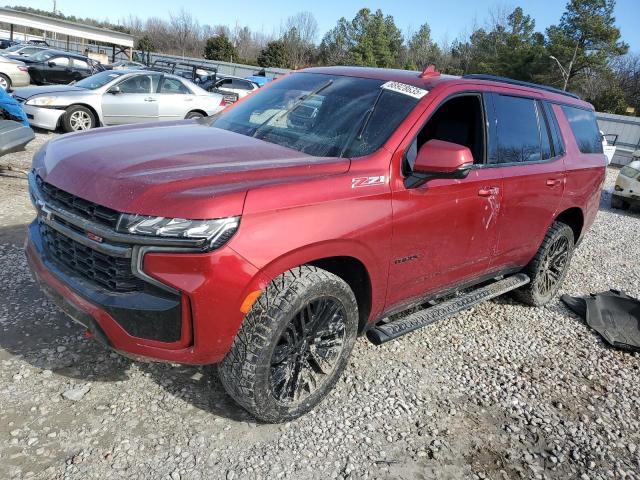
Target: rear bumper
(206, 310)
(46, 118)
(19, 79)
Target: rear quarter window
(585, 129)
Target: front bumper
(630, 199)
(188, 311)
(47, 118)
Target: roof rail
(495, 78)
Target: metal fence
(224, 68)
(623, 131)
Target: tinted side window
(585, 129)
(80, 64)
(60, 61)
(518, 134)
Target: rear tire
(5, 82)
(549, 267)
(194, 115)
(78, 118)
(293, 345)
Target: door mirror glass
(440, 159)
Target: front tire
(293, 345)
(549, 267)
(5, 82)
(78, 118)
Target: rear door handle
(150, 99)
(488, 191)
(552, 182)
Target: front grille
(112, 273)
(84, 208)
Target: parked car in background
(260, 80)
(608, 148)
(125, 65)
(626, 192)
(13, 74)
(17, 52)
(6, 43)
(15, 132)
(116, 97)
(232, 88)
(56, 67)
(331, 203)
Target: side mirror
(52, 64)
(115, 90)
(439, 159)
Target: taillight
(22, 68)
(223, 103)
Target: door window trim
(466, 93)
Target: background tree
(370, 39)
(273, 55)
(585, 40)
(627, 73)
(183, 28)
(145, 44)
(220, 48)
(299, 35)
(422, 50)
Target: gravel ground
(499, 391)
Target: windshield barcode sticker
(405, 89)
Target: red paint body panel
(296, 209)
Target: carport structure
(118, 40)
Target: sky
(447, 19)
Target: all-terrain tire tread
(527, 293)
(238, 371)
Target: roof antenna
(430, 71)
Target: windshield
(14, 48)
(42, 56)
(98, 80)
(321, 115)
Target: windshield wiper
(359, 132)
(295, 105)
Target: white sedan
(116, 98)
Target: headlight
(42, 101)
(216, 232)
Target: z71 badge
(368, 181)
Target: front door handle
(552, 182)
(488, 191)
(150, 99)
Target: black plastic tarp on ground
(613, 314)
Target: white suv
(626, 192)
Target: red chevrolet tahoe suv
(331, 203)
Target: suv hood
(182, 169)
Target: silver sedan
(116, 98)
